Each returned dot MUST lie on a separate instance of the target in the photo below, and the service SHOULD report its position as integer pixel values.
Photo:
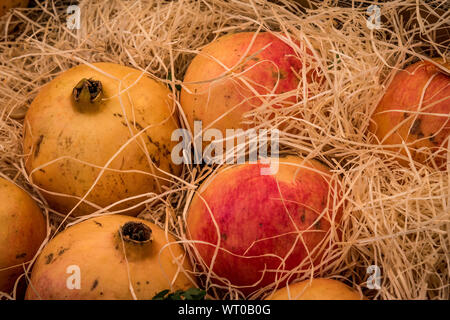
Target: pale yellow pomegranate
(22, 231)
(88, 118)
(102, 258)
(317, 289)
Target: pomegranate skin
(260, 219)
(396, 120)
(264, 62)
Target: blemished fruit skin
(264, 215)
(74, 144)
(97, 249)
(6, 5)
(22, 230)
(317, 289)
(425, 133)
(269, 67)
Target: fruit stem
(136, 232)
(87, 94)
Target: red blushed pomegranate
(416, 109)
(235, 73)
(267, 224)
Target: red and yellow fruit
(235, 73)
(108, 255)
(79, 123)
(416, 109)
(261, 219)
(316, 289)
(22, 231)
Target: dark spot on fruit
(260, 224)
(38, 145)
(137, 125)
(303, 218)
(101, 293)
(138, 283)
(147, 282)
(117, 115)
(281, 74)
(49, 258)
(94, 285)
(317, 225)
(155, 161)
(62, 250)
(22, 255)
(42, 170)
(224, 236)
(98, 223)
(155, 143)
(415, 128)
(68, 141)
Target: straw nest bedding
(395, 217)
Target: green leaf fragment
(190, 294)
